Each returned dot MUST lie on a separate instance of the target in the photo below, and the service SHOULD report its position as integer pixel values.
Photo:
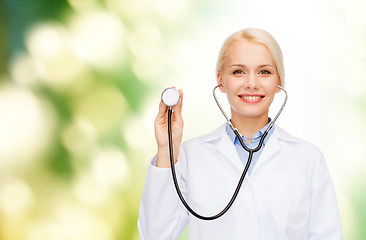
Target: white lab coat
(289, 194)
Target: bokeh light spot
(79, 137)
(80, 4)
(137, 134)
(88, 191)
(110, 168)
(172, 10)
(24, 124)
(56, 62)
(16, 198)
(76, 224)
(23, 70)
(98, 38)
(44, 230)
(102, 107)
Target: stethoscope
(171, 97)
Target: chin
(251, 115)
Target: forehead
(248, 53)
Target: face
(249, 79)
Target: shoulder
(211, 137)
(295, 143)
(279, 136)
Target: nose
(251, 81)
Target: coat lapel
(227, 149)
(269, 150)
(224, 146)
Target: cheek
(231, 85)
(274, 89)
(271, 87)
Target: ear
(220, 81)
(279, 83)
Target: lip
(251, 98)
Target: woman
(287, 193)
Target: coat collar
(220, 133)
(225, 146)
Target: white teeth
(251, 98)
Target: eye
(265, 72)
(236, 72)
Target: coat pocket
(290, 200)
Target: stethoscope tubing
(242, 177)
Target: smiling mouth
(251, 98)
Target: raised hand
(161, 132)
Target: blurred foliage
(358, 199)
(75, 75)
(17, 17)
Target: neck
(249, 126)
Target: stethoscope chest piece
(170, 97)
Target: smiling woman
(249, 75)
(254, 35)
(288, 192)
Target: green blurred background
(80, 82)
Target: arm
(324, 222)
(161, 216)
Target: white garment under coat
(289, 194)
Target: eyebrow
(260, 66)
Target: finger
(178, 110)
(162, 109)
(179, 106)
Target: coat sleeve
(162, 216)
(324, 222)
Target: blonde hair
(259, 36)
